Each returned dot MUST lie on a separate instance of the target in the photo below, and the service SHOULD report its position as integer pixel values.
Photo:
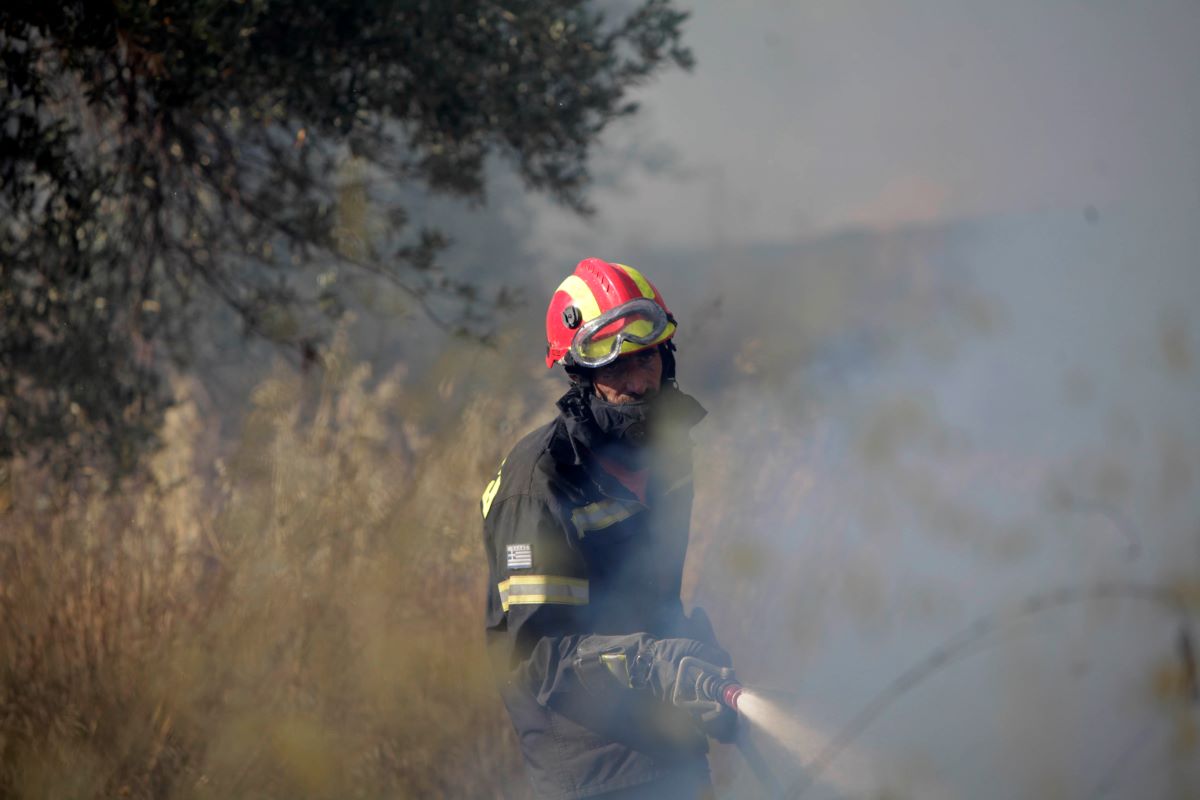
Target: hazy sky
(802, 118)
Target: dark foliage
(158, 156)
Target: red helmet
(602, 311)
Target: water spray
(703, 687)
(967, 642)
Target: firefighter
(585, 528)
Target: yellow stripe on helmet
(643, 285)
(581, 297)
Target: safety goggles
(600, 341)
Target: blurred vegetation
(297, 618)
(162, 160)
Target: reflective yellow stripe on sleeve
(602, 514)
(489, 494)
(679, 484)
(539, 589)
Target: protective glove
(672, 670)
(698, 626)
(719, 723)
(667, 655)
(697, 689)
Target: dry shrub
(298, 618)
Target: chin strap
(574, 404)
(667, 350)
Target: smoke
(851, 774)
(898, 446)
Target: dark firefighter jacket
(574, 558)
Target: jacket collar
(568, 447)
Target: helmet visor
(600, 341)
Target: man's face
(631, 378)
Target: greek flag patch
(520, 556)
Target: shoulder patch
(520, 556)
(489, 494)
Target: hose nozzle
(719, 688)
(731, 694)
(700, 683)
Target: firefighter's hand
(638, 661)
(666, 657)
(698, 626)
(697, 689)
(720, 723)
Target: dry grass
(301, 618)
